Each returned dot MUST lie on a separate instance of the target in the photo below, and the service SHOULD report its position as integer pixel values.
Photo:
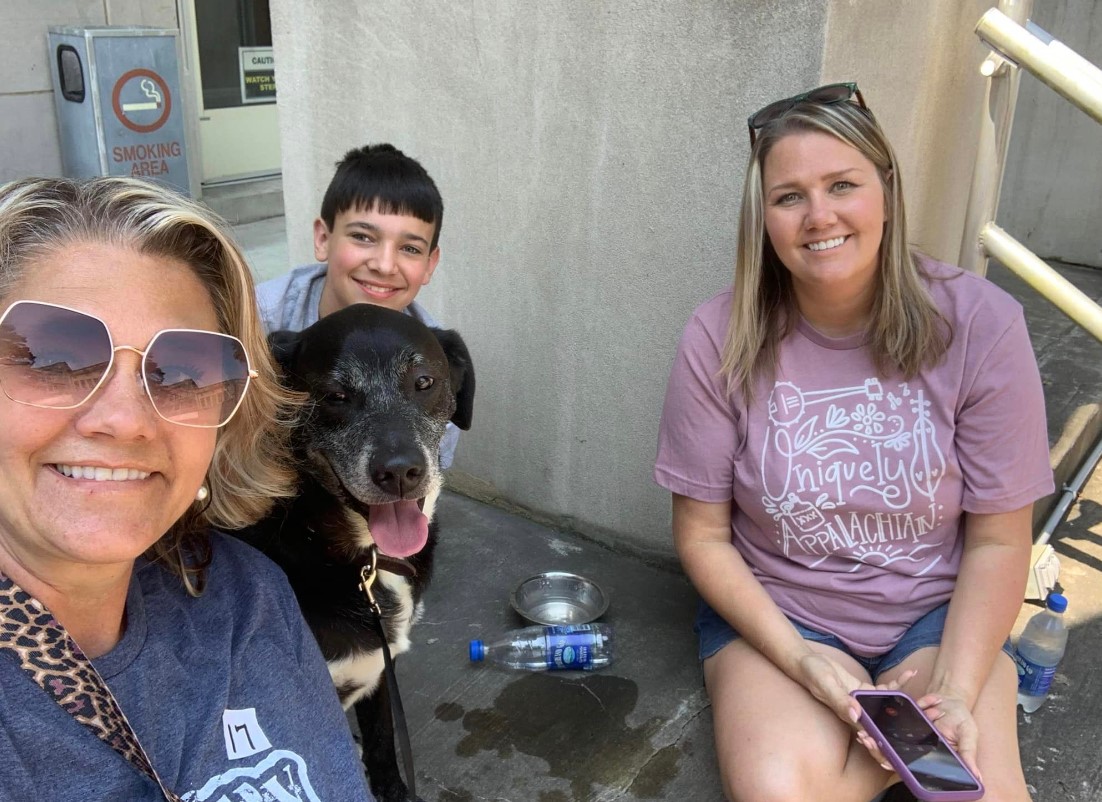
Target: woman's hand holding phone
(833, 685)
(953, 718)
(915, 747)
(950, 713)
(863, 737)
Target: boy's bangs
(422, 208)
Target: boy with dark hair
(376, 242)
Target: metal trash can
(119, 109)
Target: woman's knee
(764, 782)
(785, 780)
(801, 768)
(774, 740)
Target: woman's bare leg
(775, 741)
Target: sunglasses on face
(55, 357)
(823, 95)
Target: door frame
(191, 77)
(186, 47)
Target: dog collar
(375, 559)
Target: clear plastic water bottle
(582, 647)
(1039, 651)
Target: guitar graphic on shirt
(787, 402)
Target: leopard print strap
(30, 633)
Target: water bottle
(1039, 651)
(581, 647)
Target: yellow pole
(1068, 298)
(1073, 77)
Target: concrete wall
(1052, 192)
(28, 123)
(917, 64)
(591, 156)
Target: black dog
(382, 387)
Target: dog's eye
(337, 398)
(423, 382)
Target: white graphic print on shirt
(280, 777)
(852, 473)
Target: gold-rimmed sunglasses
(824, 95)
(55, 357)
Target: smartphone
(921, 757)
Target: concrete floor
(1060, 744)
(642, 729)
(265, 245)
(639, 729)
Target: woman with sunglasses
(854, 435)
(142, 653)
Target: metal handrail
(1057, 65)
(1068, 298)
(1000, 100)
(1019, 44)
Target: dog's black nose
(399, 474)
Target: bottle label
(570, 647)
(1033, 679)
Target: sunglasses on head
(823, 95)
(55, 357)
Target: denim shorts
(715, 633)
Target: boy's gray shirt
(291, 302)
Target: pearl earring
(202, 493)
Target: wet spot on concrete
(651, 781)
(448, 711)
(488, 731)
(455, 795)
(576, 724)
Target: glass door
(238, 125)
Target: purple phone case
(901, 767)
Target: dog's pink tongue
(400, 529)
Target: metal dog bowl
(557, 598)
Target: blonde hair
(251, 463)
(906, 331)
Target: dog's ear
(284, 345)
(462, 375)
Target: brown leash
(368, 574)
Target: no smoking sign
(141, 100)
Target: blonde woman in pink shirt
(854, 436)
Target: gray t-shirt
(291, 302)
(227, 693)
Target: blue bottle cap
(1057, 602)
(477, 651)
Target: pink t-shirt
(848, 487)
